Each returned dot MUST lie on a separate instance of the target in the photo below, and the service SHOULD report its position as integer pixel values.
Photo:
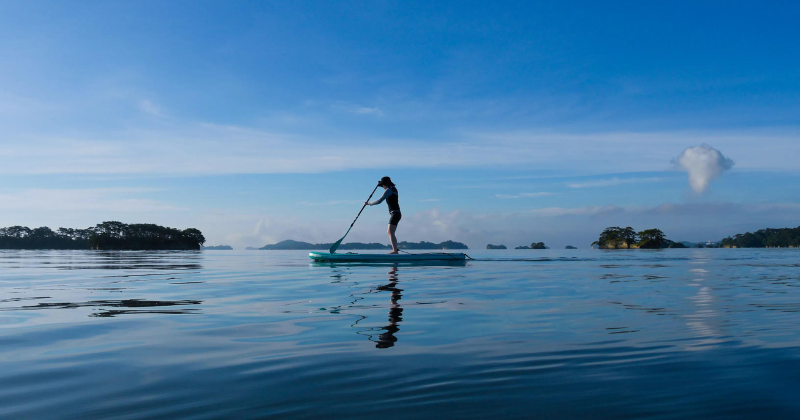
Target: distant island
(570, 247)
(490, 246)
(764, 238)
(105, 236)
(627, 238)
(307, 246)
(218, 248)
(535, 245)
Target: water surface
(709, 333)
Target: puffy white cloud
(703, 163)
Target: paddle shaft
(363, 207)
(337, 243)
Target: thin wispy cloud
(331, 203)
(525, 195)
(151, 108)
(357, 109)
(611, 182)
(128, 200)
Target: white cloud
(704, 164)
(613, 182)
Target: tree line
(784, 237)
(105, 236)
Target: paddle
(336, 244)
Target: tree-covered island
(627, 238)
(105, 236)
(501, 246)
(535, 245)
(764, 238)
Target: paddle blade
(336, 244)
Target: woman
(391, 197)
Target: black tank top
(393, 201)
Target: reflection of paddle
(336, 244)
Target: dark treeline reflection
(135, 306)
(106, 236)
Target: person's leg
(393, 239)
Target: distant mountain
(307, 246)
(490, 246)
(218, 248)
(430, 245)
(290, 244)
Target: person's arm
(385, 195)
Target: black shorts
(394, 218)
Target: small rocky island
(616, 237)
(490, 246)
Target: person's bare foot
(394, 252)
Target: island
(105, 236)
(490, 246)
(523, 247)
(570, 247)
(290, 244)
(616, 237)
(218, 248)
(764, 238)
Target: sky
(500, 122)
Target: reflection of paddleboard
(433, 256)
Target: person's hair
(386, 182)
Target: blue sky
(500, 122)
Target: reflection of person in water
(386, 339)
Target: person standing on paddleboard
(391, 197)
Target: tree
(651, 238)
(611, 236)
(629, 236)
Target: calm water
(266, 334)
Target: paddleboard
(383, 258)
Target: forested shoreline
(105, 236)
(764, 238)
